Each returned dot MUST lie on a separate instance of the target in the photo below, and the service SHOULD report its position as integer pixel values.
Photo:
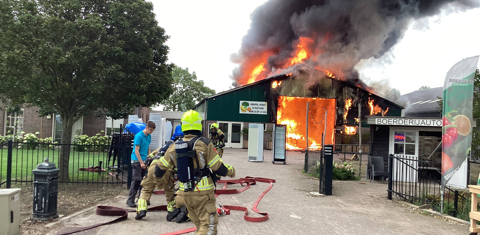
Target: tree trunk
(67, 125)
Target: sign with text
(253, 107)
(408, 122)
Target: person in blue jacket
(178, 133)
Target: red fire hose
(247, 181)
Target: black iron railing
(416, 181)
(87, 164)
(3, 155)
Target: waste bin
(45, 191)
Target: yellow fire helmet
(214, 125)
(191, 121)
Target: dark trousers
(137, 175)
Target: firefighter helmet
(191, 121)
(214, 125)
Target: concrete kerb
(425, 210)
(72, 215)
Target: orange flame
(329, 74)
(301, 54)
(348, 105)
(357, 120)
(374, 110)
(385, 112)
(274, 84)
(350, 130)
(290, 114)
(256, 71)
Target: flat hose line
(123, 213)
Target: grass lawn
(24, 161)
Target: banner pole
(441, 193)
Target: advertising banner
(457, 116)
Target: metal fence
(417, 182)
(3, 155)
(87, 164)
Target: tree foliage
(187, 91)
(82, 57)
(394, 95)
(424, 88)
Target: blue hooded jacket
(178, 132)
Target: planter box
(245, 144)
(269, 145)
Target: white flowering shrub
(30, 140)
(96, 143)
(343, 171)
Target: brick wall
(33, 123)
(93, 125)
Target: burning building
(298, 52)
(338, 105)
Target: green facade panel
(226, 107)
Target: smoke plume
(335, 34)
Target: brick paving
(354, 207)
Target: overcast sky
(203, 35)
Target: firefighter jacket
(218, 139)
(207, 157)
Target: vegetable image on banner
(457, 117)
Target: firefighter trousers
(203, 213)
(150, 182)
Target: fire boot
(182, 216)
(172, 212)
(141, 209)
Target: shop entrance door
(232, 131)
(404, 146)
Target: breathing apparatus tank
(185, 170)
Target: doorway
(232, 131)
(404, 146)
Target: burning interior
(290, 113)
(286, 96)
(347, 106)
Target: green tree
(476, 115)
(394, 95)
(424, 88)
(82, 57)
(187, 91)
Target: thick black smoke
(343, 31)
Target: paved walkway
(354, 208)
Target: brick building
(27, 120)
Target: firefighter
(152, 180)
(218, 138)
(176, 209)
(178, 133)
(195, 158)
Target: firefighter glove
(231, 170)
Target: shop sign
(253, 107)
(409, 122)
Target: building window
(58, 128)
(14, 123)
